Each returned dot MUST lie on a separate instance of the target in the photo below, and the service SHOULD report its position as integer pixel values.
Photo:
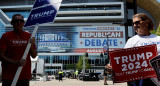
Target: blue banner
(39, 3)
(43, 11)
(41, 15)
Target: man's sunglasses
(18, 20)
(137, 22)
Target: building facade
(80, 26)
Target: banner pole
(24, 57)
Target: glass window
(10, 14)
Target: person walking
(105, 75)
(60, 75)
(34, 74)
(13, 45)
(76, 73)
(107, 70)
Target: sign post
(43, 11)
(24, 57)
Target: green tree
(156, 32)
(80, 63)
(153, 31)
(71, 66)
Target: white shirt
(137, 40)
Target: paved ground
(73, 82)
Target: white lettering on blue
(150, 43)
(42, 14)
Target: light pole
(86, 55)
(107, 51)
(83, 65)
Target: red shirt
(15, 45)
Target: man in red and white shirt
(13, 45)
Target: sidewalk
(73, 82)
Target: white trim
(89, 12)
(92, 4)
(89, 18)
(48, 64)
(4, 16)
(77, 24)
(2, 22)
(53, 65)
(68, 54)
(64, 5)
(73, 24)
(17, 7)
(122, 10)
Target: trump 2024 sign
(133, 63)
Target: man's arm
(4, 58)
(33, 51)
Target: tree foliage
(71, 66)
(153, 31)
(80, 63)
(156, 32)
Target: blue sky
(158, 0)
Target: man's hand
(21, 62)
(32, 40)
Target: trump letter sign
(133, 63)
(43, 11)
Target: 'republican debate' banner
(133, 63)
(81, 39)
